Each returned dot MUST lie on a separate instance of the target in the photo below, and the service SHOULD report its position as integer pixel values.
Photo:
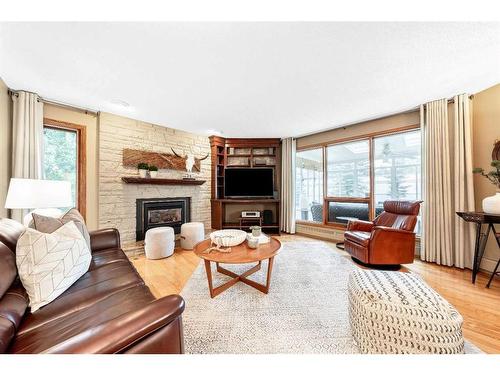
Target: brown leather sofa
(389, 239)
(108, 310)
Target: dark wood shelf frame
(161, 181)
(237, 225)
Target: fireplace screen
(161, 212)
(166, 216)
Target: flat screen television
(249, 183)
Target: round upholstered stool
(398, 313)
(191, 234)
(159, 242)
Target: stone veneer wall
(117, 199)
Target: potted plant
(143, 169)
(153, 171)
(491, 205)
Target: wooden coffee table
(240, 254)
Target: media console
(229, 153)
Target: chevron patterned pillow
(49, 263)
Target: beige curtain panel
(287, 211)
(447, 182)
(27, 139)
(463, 180)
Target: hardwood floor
(169, 275)
(480, 307)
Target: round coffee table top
(240, 253)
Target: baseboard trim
(316, 237)
(488, 265)
(320, 233)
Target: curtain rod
(55, 103)
(414, 109)
(452, 100)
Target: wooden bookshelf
(243, 153)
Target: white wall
(5, 144)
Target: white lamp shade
(29, 193)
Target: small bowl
(253, 242)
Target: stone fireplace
(118, 200)
(161, 212)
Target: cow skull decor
(190, 161)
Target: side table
(480, 218)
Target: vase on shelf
(491, 205)
(143, 169)
(153, 171)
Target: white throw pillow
(49, 263)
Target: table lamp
(41, 196)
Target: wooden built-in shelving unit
(243, 153)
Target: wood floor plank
(479, 306)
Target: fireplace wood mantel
(161, 181)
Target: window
(309, 185)
(348, 184)
(63, 156)
(397, 168)
(349, 169)
(360, 175)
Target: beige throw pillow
(48, 224)
(49, 263)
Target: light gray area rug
(306, 310)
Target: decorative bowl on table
(228, 237)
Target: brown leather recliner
(108, 310)
(389, 239)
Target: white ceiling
(250, 79)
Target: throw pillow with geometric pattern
(49, 263)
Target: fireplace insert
(161, 212)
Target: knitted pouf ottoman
(159, 242)
(393, 312)
(191, 234)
